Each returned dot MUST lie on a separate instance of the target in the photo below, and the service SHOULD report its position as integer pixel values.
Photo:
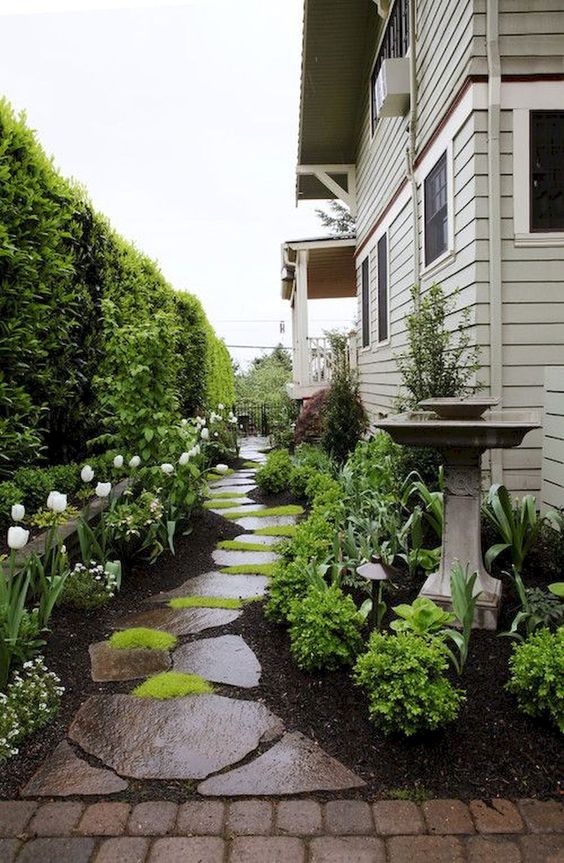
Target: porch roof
(335, 65)
(331, 269)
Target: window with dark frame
(394, 44)
(365, 301)
(383, 288)
(546, 171)
(436, 211)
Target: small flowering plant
(90, 586)
(134, 525)
(30, 701)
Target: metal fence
(261, 419)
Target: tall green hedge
(93, 340)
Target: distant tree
(339, 220)
(265, 380)
(280, 355)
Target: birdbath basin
(463, 432)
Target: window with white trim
(546, 171)
(436, 211)
(365, 301)
(382, 250)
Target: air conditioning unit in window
(391, 90)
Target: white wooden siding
(553, 451)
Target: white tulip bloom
(216, 434)
(221, 407)
(221, 468)
(135, 461)
(118, 461)
(197, 449)
(183, 422)
(17, 537)
(167, 468)
(56, 501)
(103, 489)
(205, 433)
(87, 474)
(184, 458)
(18, 512)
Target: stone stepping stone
(109, 663)
(181, 738)
(227, 659)
(262, 540)
(64, 774)
(217, 584)
(234, 486)
(224, 557)
(250, 523)
(180, 621)
(294, 765)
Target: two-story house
(441, 124)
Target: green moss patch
(220, 504)
(250, 569)
(205, 602)
(172, 684)
(212, 476)
(223, 495)
(289, 509)
(235, 545)
(141, 636)
(287, 530)
(252, 464)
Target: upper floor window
(546, 170)
(436, 211)
(394, 44)
(365, 301)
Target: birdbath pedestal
(458, 429)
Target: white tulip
(17, 537)
(167, 468)
(87, 474)
(18, 512)
(103, 489)
(56, 501)
(184, 458)
(183, 422)
(216, 434)
(205, 433)
(118, 461)
(197, 449)
(221, 407)
(51, 498)
(202, 421)
(221, 468)
(134, 461)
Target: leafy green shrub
(9, 495)
(172, 684)
(547, 553)
(289, 582)
(35, 485)
(423, 617)
(221, 386)
(537, 675)
(324, 629)
(313, 539)
(344, 418)
(142, 636)
(88, 586)
(31, 700)
(311, 455)
(274, 476)
(403, 676)
(300, 478)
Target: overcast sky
(180, 118)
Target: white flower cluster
(102, 581)
(31, 700)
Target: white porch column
(301, 375)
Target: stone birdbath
(459, 428)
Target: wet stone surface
(251, 506)
(250, 523)
(180, 621)
(241, 489)
(224, 557)
(64, 774)
(182, 738)
(226, 659)
(262, 540)
(217, 584)
(111, 664)
(294, 765)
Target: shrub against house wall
(92, 337)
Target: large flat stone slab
(233, 489)
(251, 506)
(227, 659)
(64, 774)
(180, 621)
(294, 765)
(183, 738)
(263, 540)
(108, 663)
(235, 481)
(250, 523)
(217, 584)
(224, 557)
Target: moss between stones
(282, 530)
(217, 495)
(172, 684)
(235, 545)
(249, 569)
(208, 602)
(252, 464)
(141, 636)
(220, 504)
(212, 476)
(289, 509)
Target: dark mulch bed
(492, 750)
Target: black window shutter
(382, 289)
(365, 302)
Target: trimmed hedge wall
(93, 340)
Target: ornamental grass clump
(141, 636)
(404, 678)
(172, 684)
(324, 629)
(537, 675)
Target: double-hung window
(546, 171)
(436, 211)
(382, 250)
(365, 301)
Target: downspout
(412, 145)
(494, 217)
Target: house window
(395, 43)
(382, 289)
(547, 170)
(365, 302)
(436, 211)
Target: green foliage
(285, 530)
(265, 381)
(344, 418)
(235, 545)
(192, 345)
(46, 518)
(309, 462)
(88, 586)
(32, 699)
(439, 362)
(537, 675)
(250, 569)
(423, 617)
(518, 525)
(538, 608)
(221, 386)
(404, 678)
(269, 512)
(36, 483)
(274, 476)
(324, 629)
(251, 465)
(205, 602)
(289, 583)
(172, 684)
(464, 599)
(220, 504)
(9, 495)
(141, 636)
